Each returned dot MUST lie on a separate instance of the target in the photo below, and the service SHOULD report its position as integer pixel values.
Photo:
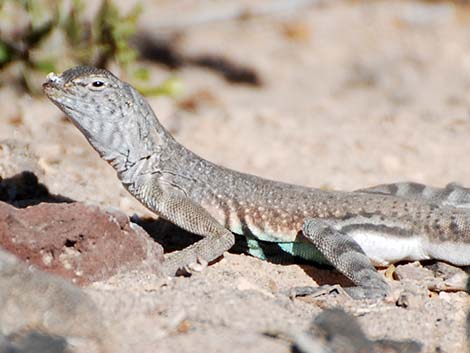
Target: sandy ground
(353, 95)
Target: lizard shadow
(173, 238)
(169, 236)
(24, 189)
(326, 275)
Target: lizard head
(109, 112)
(88, 95)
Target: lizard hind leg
(345, 254)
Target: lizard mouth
(48, 88)
(53, 88)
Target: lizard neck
(136, 144)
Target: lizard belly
(385, 249)
(454, 252)
(270, 233)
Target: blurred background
(333, 94)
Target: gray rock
(33, 300)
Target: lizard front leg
(345, 254)
(177, 208)
(205, 250)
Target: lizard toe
(195, 267)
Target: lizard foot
(314, 291)
(370, 292)
(198, 266)
(358, 292)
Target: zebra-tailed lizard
(350, 230)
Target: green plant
(40, 36)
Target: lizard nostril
(52, 77)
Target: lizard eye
(97, 85)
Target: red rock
(77, 241)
